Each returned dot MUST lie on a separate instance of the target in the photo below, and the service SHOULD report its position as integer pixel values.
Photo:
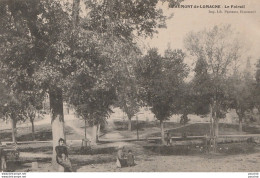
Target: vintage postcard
(129, 86)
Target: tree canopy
(160, 80)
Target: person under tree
(62, 157)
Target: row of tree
(51, 47)
(221, 80)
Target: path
(112, 133)
(115, 136)
(79, 131)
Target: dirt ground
(238, 163)
(150, 157)
(244, 159)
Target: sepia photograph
(128, 86)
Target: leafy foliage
(257, 87)
(201, 86)
(159, 80)
(215, 50)
(241, 89)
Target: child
(130, 159)
(121, 160)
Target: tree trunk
(211, 128)
(211, 121)
(240, 118)
(85, 128)
(57, 120)
(75, 13)
(129, 124)
(94, 135)
(13, 124)
(240, 125)
(33, 132)
(162, 131)
(98, 131)
(216, 130)
(216, 127)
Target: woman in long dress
(62, 157)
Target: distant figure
(121, 157)
(130, 159)
(184, 134)
(184, 119)
(62, 157)
(168, 138)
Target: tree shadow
(5, 136)
(141, 125)
(92, 151)
(45, 149)
(39, 136)
(169, 150)
(77, 164)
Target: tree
(38, 41)
(11, 108)
(113, 24)
(201, 85)
(242, 100)
(127, 96)
(24, 103)
(202, 91)
(257, 87)
(32, 44)
(32, 103)
(217, 48)
(92, 98)
(127, 101)
(159, 81)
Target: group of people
(124, 158)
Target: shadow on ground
(123, 125)
(204, 129)
(222, 149)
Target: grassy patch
(222, 149)
(142, 125)
(237, 148)
(203, 129)
(42, 133)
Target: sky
(196, 19)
